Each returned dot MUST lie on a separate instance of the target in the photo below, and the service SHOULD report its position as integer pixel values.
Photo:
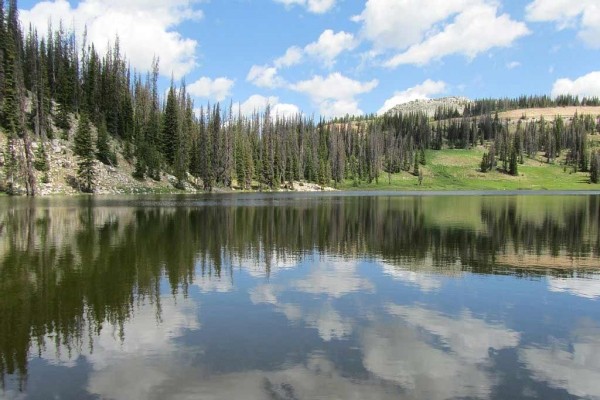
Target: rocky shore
(117, 179)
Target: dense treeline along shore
(75, 121)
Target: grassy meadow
(452, 169)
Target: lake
(300, 296)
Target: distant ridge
(430, 106)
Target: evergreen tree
(103, 150)
(595, 167)
(170, 127)
(41, 162)
(10, 107)
(513, 167)
(41, 159)
(11, 166)
(416, 167)
(84, 150)
(485, 163)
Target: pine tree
(170, 127)
(41, 159)
(485, 163)
(11, 166)
(10, 107)
(422, 158)
(513, 167)
(595, 167)
(103, 150)
(84, 150)
(41, 162)
(416, 166)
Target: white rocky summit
(431, 105)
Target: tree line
(59, 86)
(486, 106)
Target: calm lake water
(303, 296)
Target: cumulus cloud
(425, 282)
(418, 92)
(397, 354)
(587, 288)
(469, 337)
(326, 49)
(395, 350)
(335, 94)
(329, 323)
(475, 30)
(402, 23)
(313, 6)
(585, 86)
(292, 56)
(574, 367)
(513, 64)
(265, 76)
(258, 103)
(583, 15)
(334, 279)
(467, 27)
(217, 89)
(145, 28)
(330, 45)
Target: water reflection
(289, 297)
(572, 365)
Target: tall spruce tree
(84, 150)
(170, 130)
(595, 167)
(103, 149)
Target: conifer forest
(56, 85)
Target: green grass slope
(460, 170)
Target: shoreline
(322, 193)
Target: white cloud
(119, 366)
(469, 337)
(314, 6)
(339, 108)
(334, 279)
(145, 28)
(292, 56)
(326, 49)
(208, 284)
(583, 15)
(402, 23)
(475, 30)
(334, 94)
(466, 27)
(513, 64)
(398, 354)
(265, 77)
(418, 92)
(330, 324)
(453, 365)
(588, 288)
(217, 89)
(587, 85)
(425, 282)
(258, 103)
(330, 45)
(574, 367)
(325, 319)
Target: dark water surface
(300, 297)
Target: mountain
(430, 106)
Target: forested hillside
(57, 87)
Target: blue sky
(333, 57)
